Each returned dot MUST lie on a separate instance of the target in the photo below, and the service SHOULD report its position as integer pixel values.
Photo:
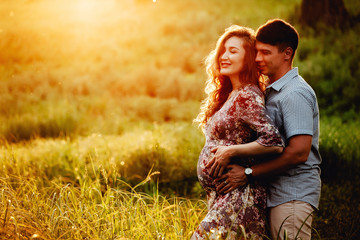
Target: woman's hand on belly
(220, 160)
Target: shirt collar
(278, 84)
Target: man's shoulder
(298, 85)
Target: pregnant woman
(232, 115)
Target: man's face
(268, 59)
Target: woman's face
(231, 61)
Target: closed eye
(233, 50)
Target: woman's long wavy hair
(218, 87)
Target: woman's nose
(224, 56)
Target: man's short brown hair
(278, 33)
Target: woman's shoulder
(250, 93)
(253, 90)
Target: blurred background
(115, 60)
(118, 83)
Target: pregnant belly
(203, 172)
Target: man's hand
(220, 160)
(231, 180)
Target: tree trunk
(328, 12)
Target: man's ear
(288, 53)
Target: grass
(90, 212)
(93, 186)
(171, 148)
(337, 146)
(76, 189)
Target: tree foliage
(328, 54)
(326, 12)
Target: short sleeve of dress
(251, 107)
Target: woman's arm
(223, 154)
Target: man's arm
(295, 153)
(223, 154)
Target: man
(292, 105)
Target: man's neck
(279, 74)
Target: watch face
(248, 171)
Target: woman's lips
(225, 65)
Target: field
(97, 103)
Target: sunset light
(73, 29)
(100, 105)
(91, 10)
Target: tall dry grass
(90, 212)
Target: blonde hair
(218, 87)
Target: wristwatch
(248, 172)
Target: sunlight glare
(91, 10)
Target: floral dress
(241, 119)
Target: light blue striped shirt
(291, 103)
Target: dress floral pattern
(241, 119)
